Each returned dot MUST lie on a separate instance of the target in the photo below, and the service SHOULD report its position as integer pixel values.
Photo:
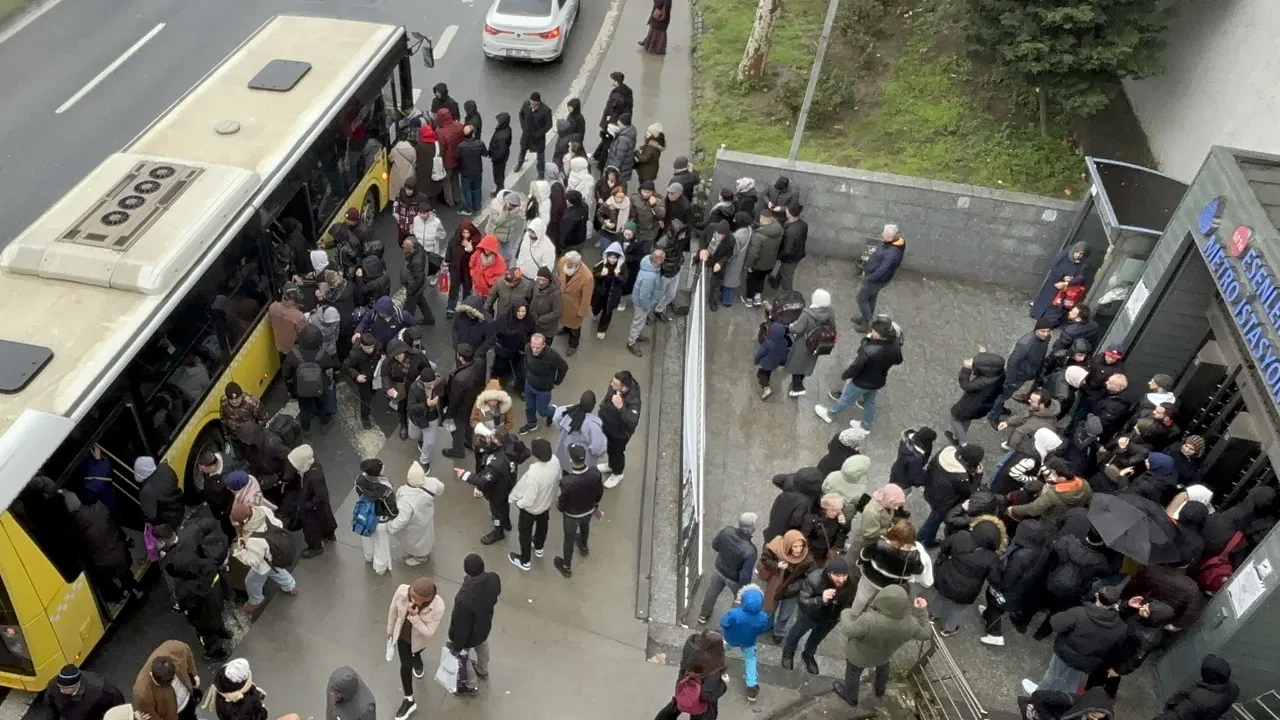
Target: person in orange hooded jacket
(487, 266)
(450, 134)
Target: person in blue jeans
(823, 594)
(471, 154)
(950, 478)
(878, 352)
(544, 369)
(741, 625)
(877, 273)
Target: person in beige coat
(576, 286)
(167, 686)
(414, 527)
(412, 620)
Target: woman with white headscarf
(234, 695)
(800, 361)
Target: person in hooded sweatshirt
(741, 625)
(1159, 483)
(414, 525)
(500, 151)
(266, 548)
(842, 446)
(1015, 586)
(799, 495)
(348, 698)
(1145, 621)
(471, 622)
(371, 484)
(801, 360)
(915, 447)
(850, 482)
(308, 374)
(981, 378)
(1023, 462)
(315, 510)
(610, 280)
(950, 478)
(872, 637)
(578, 424)
(966, 560)
(1085, 636)
(1208, 698)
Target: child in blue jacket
(741, 625)
(771, 355)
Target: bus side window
(42, 511)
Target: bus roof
(94, 320)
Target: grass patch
(915, 104)
(9, 8)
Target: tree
(760, 41)
(1073, 52)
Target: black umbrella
(1136, 528)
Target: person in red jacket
(450, 134)
(487, 266)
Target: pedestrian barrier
(1263, 707)
(941, 691)
(689, 554)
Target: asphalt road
(48, 63)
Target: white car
(535, 30)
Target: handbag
(391, 648)
(1068, 297)
(447, 672)
(443, 280)
(437, 165)
(149, 540)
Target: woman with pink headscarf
(247, 490)
(877, 518)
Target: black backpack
(821, 340)
(284, 549)
(287, 428)
(309, 381)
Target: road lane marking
(108, 70)
(446, 36)
(27, 19)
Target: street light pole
(814, 73)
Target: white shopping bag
(391, 649)
(447, 673)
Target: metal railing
(941, 691)
(689, 555)
(1263, 707)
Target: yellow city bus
(133, 301)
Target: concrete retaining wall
(954, 230)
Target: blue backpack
(364, 517)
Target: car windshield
(526, 8)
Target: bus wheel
(210, 439)
(369, 210)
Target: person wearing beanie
(1062, 492)
(581, 490)
(824, 594)
(472, 621)
(1208, 698)
(287, 318)
(715, 257)
(762, 255)
(422, 408)
(872, 637)
(412, 620)
(75, 694)
(742, 624)
(159, 496)
(878, 272)
(842, 446)
(779, 196)
(546, 305)
(1086, 636)
(950, 478)
(648, 211)
(814, 333)
(878, 353)
(237, 408)
(462, 387)
(649, 154)
(1188, 458)
(235, 696)
(1024, 364)
(533, 496)
(689, 179)
(915, 448)
(168, 685)
(414, 525)
(372, 487)
(314, 509)
(579, 425)
(735, 561)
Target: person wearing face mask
(576, 287)
(609, 280)
(487, 266)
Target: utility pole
(816, 71)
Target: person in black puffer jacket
(982, 503)
(107, 559)
(1086, 635)
(914, 449)
(372, 281)
(472, 618)
(950, 478)
(842, 446)
(826, 528)
(1146, 634)
(1016, 585)
(1191, 520)
(1076, 564)
(159, 496)
(819, 612)
(892, 560)
(966, 560)
(980, 380)
(474, 326)
(799, 497)
(1208, 698)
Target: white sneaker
(982, 609)
(412, 561)
(992, 640)
(795, 393)
(622, 306)
(1028, 687)
(766, 392)
(613, 481)
(432, 280)
(856, 423)
(822, 413)
(602, 467)
(599, 336)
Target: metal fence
(694, 442)
(939, 687)
(1264, 707)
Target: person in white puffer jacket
(536, 249)
(580, 179)
(414, 527)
